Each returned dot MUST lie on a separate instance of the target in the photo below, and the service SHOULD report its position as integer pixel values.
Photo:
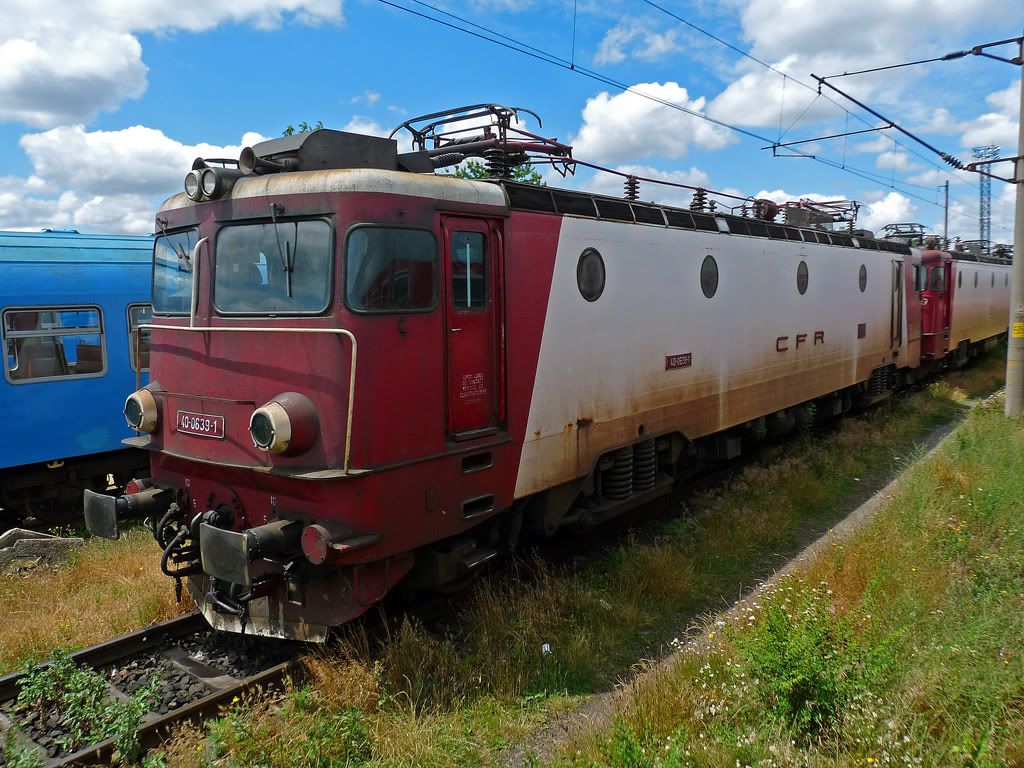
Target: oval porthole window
(975, 279)
(1006, 280)
(960, 280)
(801, 278)
(863, 278)
(993, 279)
(590, 274)
(709, 276)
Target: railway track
(198, 674)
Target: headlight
(141, 411)
(270, 428)
(193, 188)
(288, 425)
(208, 182)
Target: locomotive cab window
(469, 270)
(278, 268)
(938, 278)
(138, 339)
(172, 272)
(53, 343)
(388, 269)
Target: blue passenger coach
(70, 305)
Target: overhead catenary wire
(488, 35)
(784, 75)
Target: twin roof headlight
(206, 183)
(193, 186)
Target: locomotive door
(935, 309)
(896, 308)
(472, 266)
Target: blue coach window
(53, 343)
(172, 272)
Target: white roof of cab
(444, 188)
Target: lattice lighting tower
(989, 152)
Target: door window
(468, 270)
(938, 278)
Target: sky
(104, 104)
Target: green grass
(419, 699)
(902, 646)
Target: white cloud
(131, 160)
(881, 143)
(939, 121)
(759, 97)
(890, 208)
(64, 62)
(109, 181)
(899, 161)
(998, 127)
(635, 41)
(938, 176)
(799, 37)
(628, 127)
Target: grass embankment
(106, 589)
(903, 645)
(424, 700)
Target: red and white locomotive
(364, 374)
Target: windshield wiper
(176, 247)
(285, 253)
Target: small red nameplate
(678, 361)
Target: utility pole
(945, 220)
(1015, 348)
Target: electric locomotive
(368, 376)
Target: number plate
(202, 424)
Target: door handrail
(279, 329)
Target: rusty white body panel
(444, 189)
(979, 310)
(602, 375)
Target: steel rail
(154, 727)
(152, 732)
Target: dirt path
(598, 711)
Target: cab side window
(388, 269)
